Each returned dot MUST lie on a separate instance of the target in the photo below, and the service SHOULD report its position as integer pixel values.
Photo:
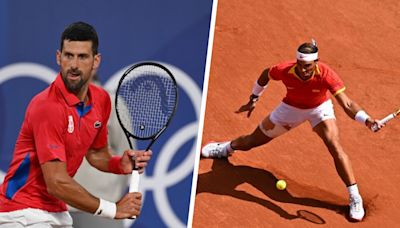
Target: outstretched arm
(354, 111)
(258, 89)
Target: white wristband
(361, 116)
(257, 89)
(106, 209)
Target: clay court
(360, 40)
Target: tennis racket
(145, 102)
(389, 117)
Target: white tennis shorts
(35, 218)
(289, 117)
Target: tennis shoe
(356, 208)
(215, 150)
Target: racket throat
(154, 138)
(151, 143)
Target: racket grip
(387, 118)
(374, 127)
(134, 184)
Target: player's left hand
(249, 108)
(141, 158)
(373, 122)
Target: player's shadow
(225, 177)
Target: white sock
(353, 190)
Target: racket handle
(387, 118)
(374, 127)
(134, 184)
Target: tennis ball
(281, 184)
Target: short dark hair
(81, 31)
(308, 48)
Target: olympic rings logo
(162, 179)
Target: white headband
(307, 57)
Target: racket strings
(147, 98)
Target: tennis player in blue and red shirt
(63, 124)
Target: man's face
(306, 69)
(77, 62)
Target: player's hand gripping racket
(145, 102)
(389, 117)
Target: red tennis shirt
(57, 125)
(310, 93)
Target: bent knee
(272, 130)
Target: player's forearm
(263, 79)
(259, 86)
(103, 160)
(352, 109)
(62, 186)
(99, 159)
(70, 192)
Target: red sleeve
(104, 104)
(281, 70)
(48, 123)
(335, 84)
(275, 73)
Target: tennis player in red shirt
(62, 124)
(308, 83)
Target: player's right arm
(62, 186)
(258, 89)
(352, 109)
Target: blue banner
(174, 33)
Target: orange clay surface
(360, 40)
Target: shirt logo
(70, 124)
(97, 124)
(53, 146)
